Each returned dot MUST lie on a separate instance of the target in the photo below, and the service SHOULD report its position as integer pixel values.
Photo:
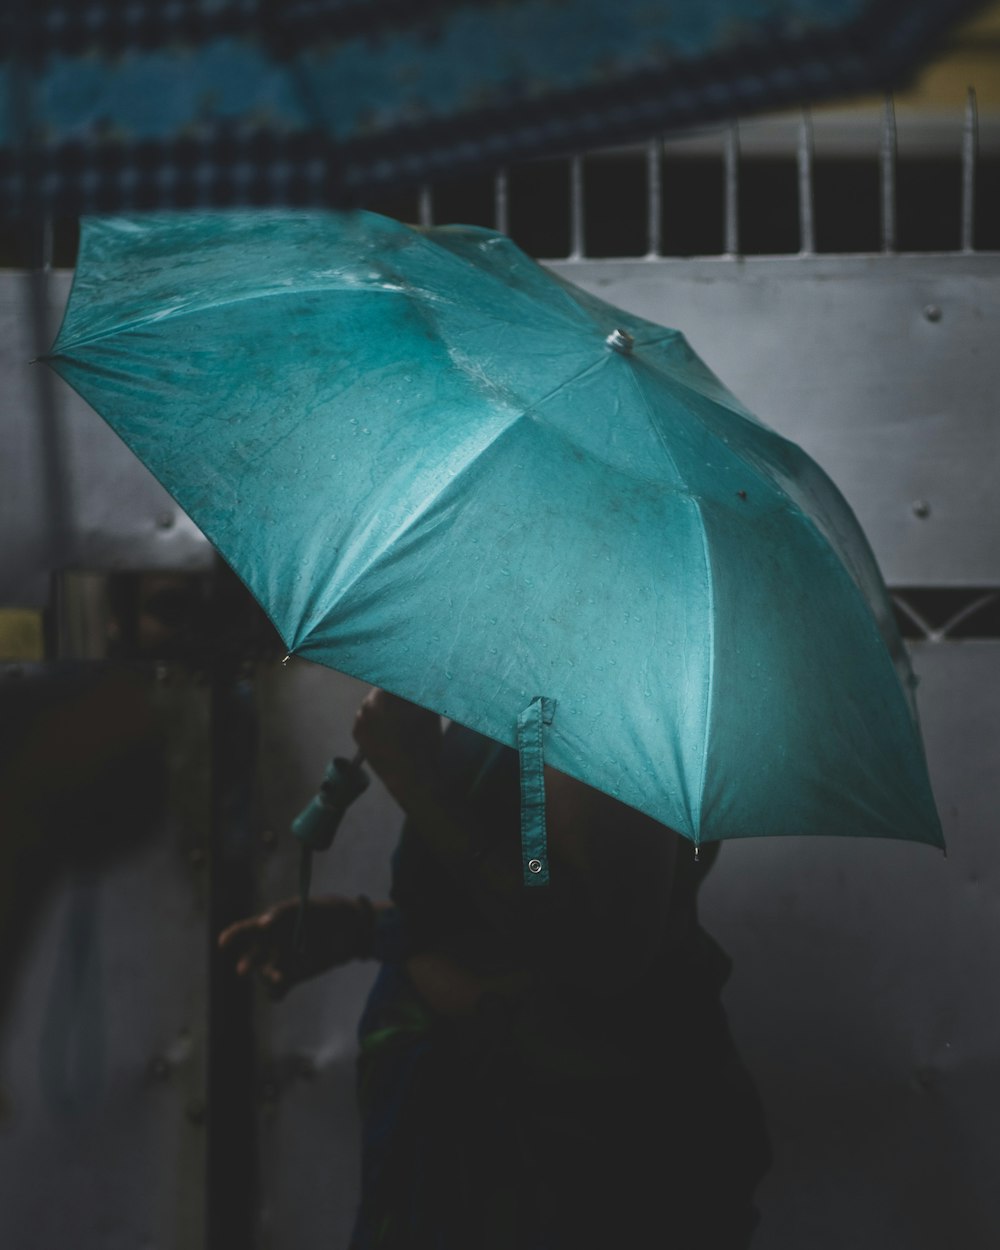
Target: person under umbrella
(444, 470)
(538, 1069)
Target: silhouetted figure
(544, 1069)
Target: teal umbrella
(443, 470)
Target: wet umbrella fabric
(443, 470)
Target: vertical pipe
(501, 202)
(654, 200)
(577, 223)
(55, 487)
(425, 206)
(46, 249)
(804, 162)
(232, 1161)
(887, 171)
(731, 190)
(970, 144)
(54, 484)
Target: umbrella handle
(343, 782)
(317, 823)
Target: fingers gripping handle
(342, 783)
(315, 826)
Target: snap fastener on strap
(534, 843)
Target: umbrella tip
(621, 341)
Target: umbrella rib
(201, 306)
(724, 397)
(644, 399)
(60, 348)
(710, 681)
(570, 309)
(694, 809)
(428, 502)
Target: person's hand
(400, 740)
(337, 930)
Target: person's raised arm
(603, 915)
(339, 930)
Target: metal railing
(805, 162)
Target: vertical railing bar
(887, 170)
(654, 197)
(970, 145)
(731, 190)
(425, 205)
(577, 223)
(501, 202)
(47, 242)
(804, 162)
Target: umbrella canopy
(443, 470)
(139, 104)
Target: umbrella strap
(534, 843)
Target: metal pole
(577, 223)
(46, 245)
(232, 1161)
(425, 206)
(731, 190)
(804, 162)
(970, 144)
(501, 202)
(887, 170)
(654, 200)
